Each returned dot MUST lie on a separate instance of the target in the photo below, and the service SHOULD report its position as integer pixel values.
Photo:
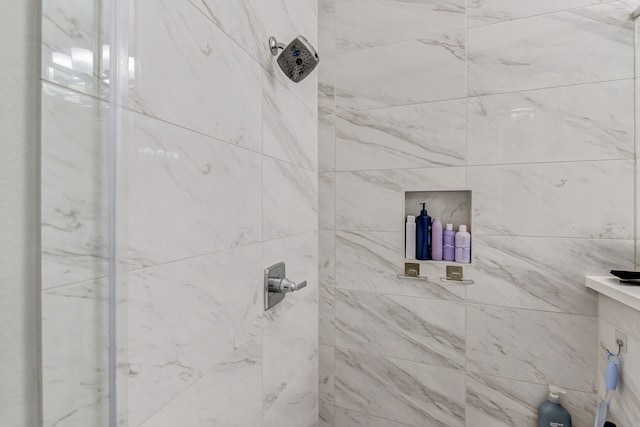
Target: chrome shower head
(298, 58)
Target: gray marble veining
(421, 330)
(382, 192)
(418, 135)
(326, 143)
(579, 199)
(408, 392)
(197, 311)
(408, 75)
(534, 346)
(195, 51)
(371, 261)
(290, 202)
(362, 24)
(75, 187)
(228, 395)
(484, 12)
(289, 130)
(326, 369)
(578, 46)
(543, 273)
(190, 179)
(582, 122)
(497, 402)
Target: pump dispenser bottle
(423, 235)
(551, 413)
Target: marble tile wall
(221, 159)
(530, 106)
(223, 182)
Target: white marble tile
(586, 199)
(543, 273)
(483, 12)
(228, 395)
(289, 127)
(326, 364)
(578, 46)
(326, 143)
(297, 405)
(184, 318)
(371, 261)
(326, 415)
(326, 85)
(326, 316)
(290, 343)
(326, 27)
(374, 200)
(188, 194)
(75, 355)
(408, 328)
(218, 85)
(409, 72)
(366, 23)
(410, 136)
(290, 202)
(583, 122)
(326, 257)
(71, 52)
(624, 317)
(399, 390)
(241, 21)
(74, 187)
(327, 200)
(347, 418)
(534, 346)
(498, 402)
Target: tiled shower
(177, 162)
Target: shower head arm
(274, 45)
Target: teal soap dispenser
(551, 413)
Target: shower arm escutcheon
(274, 45)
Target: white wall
(531, 107)
(19, 215)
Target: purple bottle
(449, 243)
(436, 240)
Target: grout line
(221, 251)
(487, 165)
(461, 371)
(463, 301)
(530, 236)
(468, 96)
(544, 14)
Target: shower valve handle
(284, 285)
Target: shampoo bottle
(436, 240)
(410, 238)
(423, 235)
(463, 245)
(551, 413)
(448, 243)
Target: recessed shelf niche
(450, 206)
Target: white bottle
(463, 245)
(410, 238)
